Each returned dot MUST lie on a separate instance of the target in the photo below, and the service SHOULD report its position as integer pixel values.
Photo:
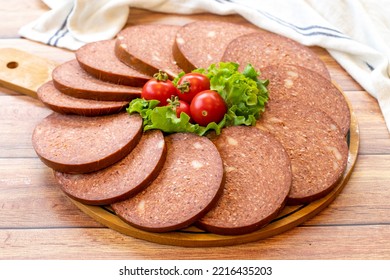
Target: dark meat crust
(121, 180)
(77, 144)
(258, 179)
(188, 185)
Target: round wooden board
(290, 217)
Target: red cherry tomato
(207, 106)
(183, 107)
(179, 106)
(191, 84)
(159, 88)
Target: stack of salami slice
(232, 183)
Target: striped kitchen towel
(356, 33)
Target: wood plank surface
(37, 221)
(306, 242)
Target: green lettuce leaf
(245, 94)
(164, 118)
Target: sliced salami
(258, 180)
(201, 43)
(66, 104)
(148, 48)
(301, 85)
(77, 144)
(70, 79)
(122, 179)
(188, 185)
(264, 48)
(99, 60)
(317, 148)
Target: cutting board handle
(24, 72)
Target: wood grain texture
(306, 242)
(37, 221)
(23, 72)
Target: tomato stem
(184, 87)
(173, 101)
(161, 76)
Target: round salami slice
(258, 180)
(188, 185)
(264, 48)
(66, 104)
(148, 48)
(77, 144)
(301, 85)
(317, 148)
(201, 43)
(70, 79)
(99, 60)
(120, 180)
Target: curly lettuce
(244, 93)
(164, 118)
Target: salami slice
(201, 43)
(301, 85)
(148, 48)
(77, 144)
(188, 185)
(66, 104)
(122, 179)
(99, 60)
(264, 48)
(317, 148)
(70, 79)
(258, 180)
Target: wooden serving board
(23, 72)
(290, 217)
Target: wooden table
(37, 221)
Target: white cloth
(356, 33)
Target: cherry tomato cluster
(191, 96)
